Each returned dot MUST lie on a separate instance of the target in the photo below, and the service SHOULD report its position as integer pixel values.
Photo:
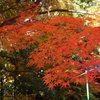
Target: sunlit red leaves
(60, 46)
(19, 36)
(72, 22)
(57, 78)
(58, 40)
(80, 80)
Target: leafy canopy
(66, 47)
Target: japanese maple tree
(65, 46)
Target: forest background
(45, 45)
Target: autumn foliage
(65, 46)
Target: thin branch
(72, 11)
(10, 21)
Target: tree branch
(12, 20)
(72, 11)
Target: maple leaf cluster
(64, 38)
(65, 47)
